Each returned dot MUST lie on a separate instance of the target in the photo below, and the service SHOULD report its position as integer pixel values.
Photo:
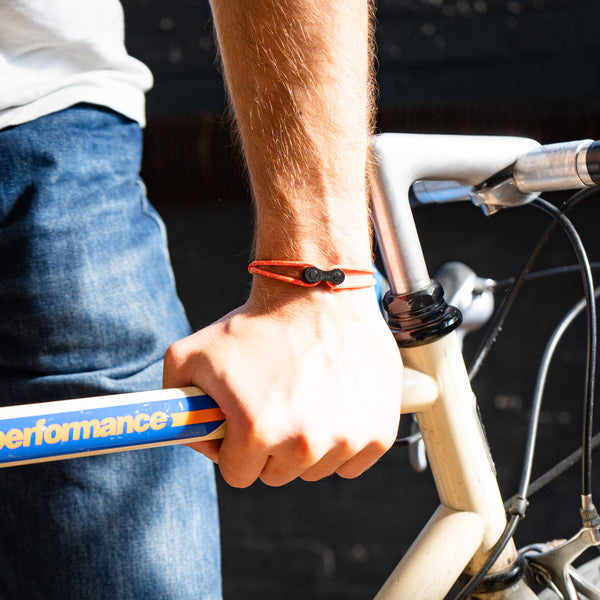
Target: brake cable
(498, 320)
(519, 502)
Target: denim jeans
(88, 307)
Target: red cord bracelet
(337, 278)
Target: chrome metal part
(417, 456)
(472, 295)
(589, 513)
(440, 192)
(583, 587)
(402, 254)
(505, 194)
(553, 167)
(582, 166)
(402, 159)
(550, 565)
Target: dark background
(528, 67)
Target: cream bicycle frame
(471, 517)
(460, 535)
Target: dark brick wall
(433, 50)
(429, 51)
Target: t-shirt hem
(133, 107)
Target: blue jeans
(88, 307)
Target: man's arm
(299, 78)
(309, 380)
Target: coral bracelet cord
(364, 276)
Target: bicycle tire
(590, 571)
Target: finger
(210, 448)
(298, 458)
(345, 461)
(328, 464)
(280, 469)
(362, 461)
(176, 365)
(241, 461)
(276, 474)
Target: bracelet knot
(336, 278)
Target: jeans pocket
(150, 212)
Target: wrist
(280, 298)
(334, 277)
(316, 237)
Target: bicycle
(469, 533)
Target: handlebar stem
(400, 160)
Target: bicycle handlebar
(562, 166)
(551, 167)
(494, 172)
(403, 159)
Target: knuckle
(376, 447)
(346, 448)
(303, 449)
(234, 478)
(175, 356)
(254, 435)
(388, 437)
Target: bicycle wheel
(589, 572)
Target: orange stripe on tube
(193, 417)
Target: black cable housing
(520, 499)
(495, 553)
(590, 378)
(550, 272)
(499, 318)
(551, 346)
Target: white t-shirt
(57, 53)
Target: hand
(309, 381)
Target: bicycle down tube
(471, 517)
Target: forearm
(293, 367)
(300, 83)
